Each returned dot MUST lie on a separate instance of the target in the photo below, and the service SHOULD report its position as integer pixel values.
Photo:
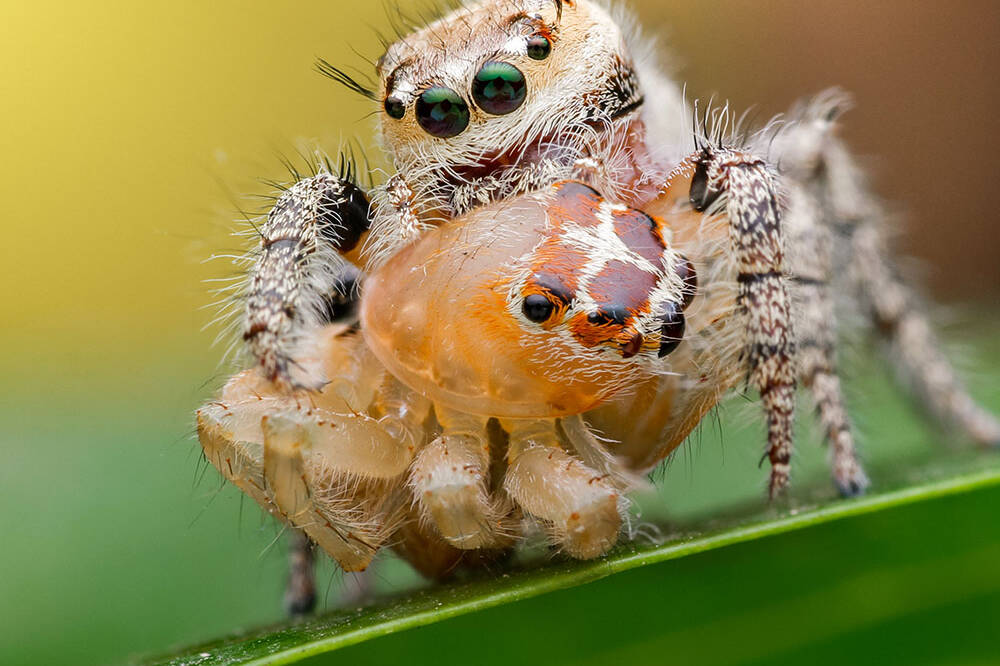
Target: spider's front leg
(293, 432)
(298, 276)
(296, 283)
(742, 188)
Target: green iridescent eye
(539, 47)
(499, 88)
(442, 113)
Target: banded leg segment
(299, 280)
(742, 187)
(300, 593)
(915, 348)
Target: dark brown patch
(640, 233)
(621, 290)
(575, 202)
(555, 285)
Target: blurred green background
(126, 129)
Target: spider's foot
(780, 474)
(299, 603)
(851, 482)
(986, 430)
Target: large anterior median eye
(442, 113)
(499, 88)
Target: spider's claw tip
(854, 487)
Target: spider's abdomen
(543, 306)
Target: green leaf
(291, 642)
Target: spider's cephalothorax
(479, 100)
(502, 98)
(555, 255)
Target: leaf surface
(294, 641)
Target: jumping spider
(557, 255)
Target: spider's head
(503, 96)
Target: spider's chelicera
(557, 284)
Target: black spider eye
(498, 88)
(685, 269)
(672, 331)
(702, 196)
(395, 107)
(442, 113)
(539, 47)
(537, 308)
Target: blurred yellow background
(124, 124)
(130, 131)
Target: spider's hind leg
(914, 348)
(300, 593)
(818, 161)
(816, 336)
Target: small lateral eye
(687, 274)
(537, 308)
(539, 47)
(702, 196)
(395, 107)
(499, 88)
(672, 329)
(442, 112)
